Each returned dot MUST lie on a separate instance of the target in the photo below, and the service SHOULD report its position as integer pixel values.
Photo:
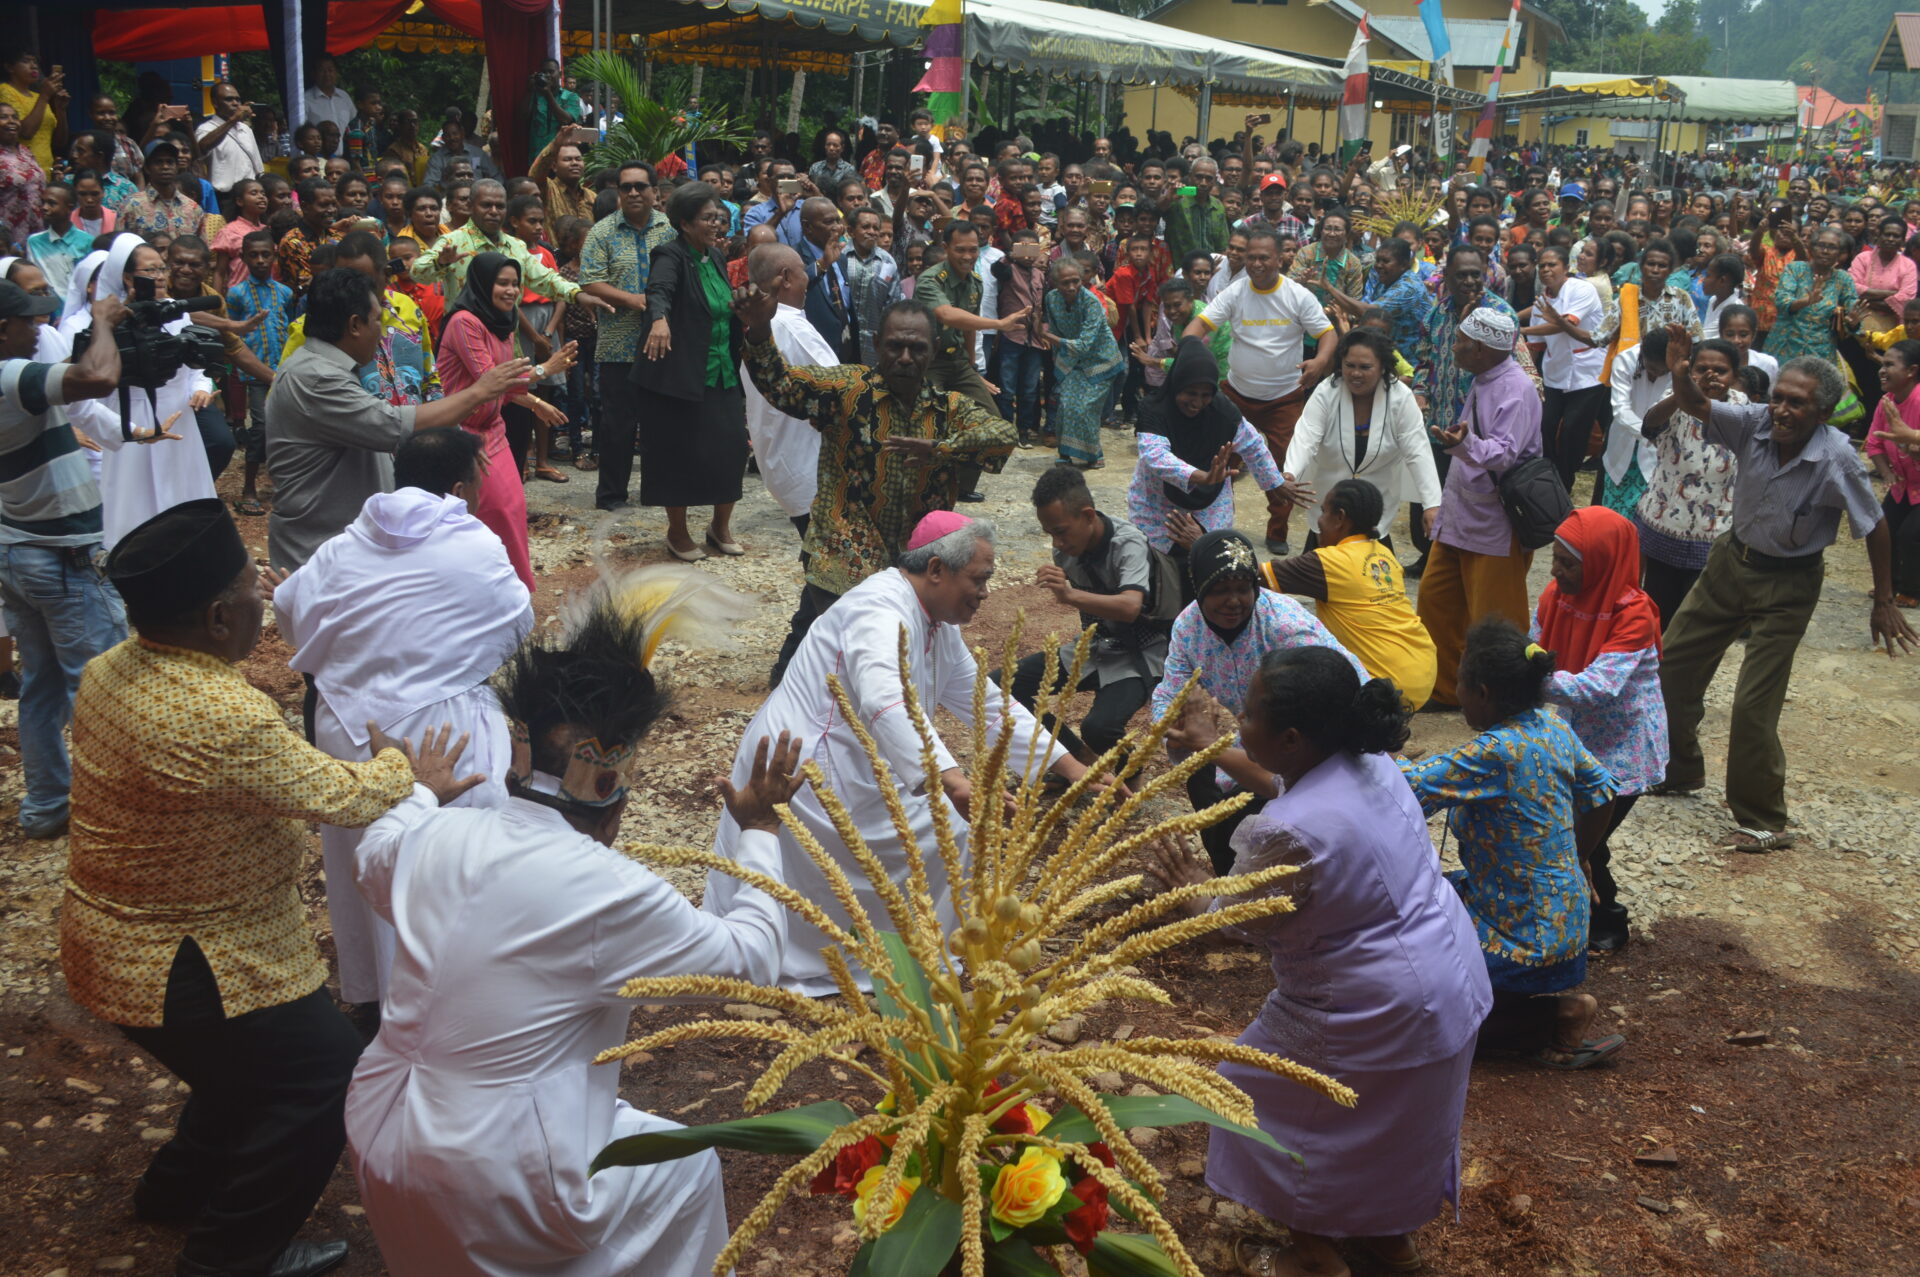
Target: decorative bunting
(945, 50)
(1483, 131)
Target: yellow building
(1324, 32)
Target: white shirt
(1768, 364)
(1270, 330)
(401, 620)
(234, 158)
(989, 300)
(858, 639)
(788, 448)
(476, 1112)
(1569, 363)
(321, 105)
(1399, 460)
(1710, 322)
(1633, 397)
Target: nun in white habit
(476, 1112)
(159, 468)
(937, 589)
(401, 620)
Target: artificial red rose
(842, 1174)
(1015, 1121)
(1086, 1221)
(1099, 1149)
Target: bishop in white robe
(401, 620)
(858, 639)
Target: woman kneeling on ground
(1377, 979)
(1528, 804)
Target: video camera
(150, 356)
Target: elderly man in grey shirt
(1796, 476)
(330, 443)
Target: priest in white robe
(475, 1113)
(161, 467)
(401, 620)
(937, 589)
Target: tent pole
(1153, 120)
(1206, 110)
(1101, 127)
(859, 81)
(966, 73)
(296, 76)
(1289, 116)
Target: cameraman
(59, 607)
(548, 107)
(152, 456)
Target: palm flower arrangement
(959, 1167)
(648, 130)
(1407, 204)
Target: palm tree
(648, 131)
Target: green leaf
(800, 1130)
(648, 130)
(1016, 1257)
(921, 1243)
(1129, 1255)
(913, 983)
(1129, 1111)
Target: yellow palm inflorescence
(953, 1020)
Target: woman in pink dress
(249, 215)
(478, 335)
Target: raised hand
(773, 781)
(753, 308)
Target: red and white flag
(1353, 98)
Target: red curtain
(158, 35)
(516, 34)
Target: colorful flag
(1483, 131)
(1442, 44)
(946, 59)
(1353, 98)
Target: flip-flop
(1592, 1051)
(586, 463)
(1764, 840)
(549, 474)
(1261, 1264)
(249, 506)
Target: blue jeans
(1020, 371)
(62, 613)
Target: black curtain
(313, 41)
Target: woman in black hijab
(1189, 435)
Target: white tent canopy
(1705, 100)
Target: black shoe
(974, 497)
(1606, 941)
(1414, 570)
(47, 829)
(616, 503)
(299, 1259)
(10, 686)
(167, 1206)
(1278, 549)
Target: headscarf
(6, 264)
(80, 282)
(1195, 440)
(113, 271)
(476, 296)
(1611, 613)
(1222, 556)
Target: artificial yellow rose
(1026, 1190)
(902, 1193)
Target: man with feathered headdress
(476, 1112)
(940, 583)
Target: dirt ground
(1792, 1156)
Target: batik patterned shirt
(869, 500)
(614, 252)
(146, 214)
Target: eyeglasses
(631, 188)
(715, 219)
(153, 272)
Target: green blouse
(722, 373)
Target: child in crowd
(1898, 468)
(259, 294)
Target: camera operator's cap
(159, 142)
(16, 301)
(180, 559)
(1573, 191)
(1274, 179)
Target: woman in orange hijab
(1604, 633)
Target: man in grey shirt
(1104, 568)
(330, 443)
(1796, 476)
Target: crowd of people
(397, 339)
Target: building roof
(1476, 41)
(1709, 99)
(1901, 53)
(1826, 108)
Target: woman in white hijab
(165, 466)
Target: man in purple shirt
(1476, 566)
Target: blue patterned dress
(1515, 791)
(1085, 360)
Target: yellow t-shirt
(1368, 610)
(1883, 340)
(41, 142)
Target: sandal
(586, 463)
(549, 474)
(733, 549)
(1758, 840)
(249, 506)
(1392, 1260)
(1672, 788)
(1261, 1262)
(1590, 1052)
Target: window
(1580, 137)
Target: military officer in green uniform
(953, 290)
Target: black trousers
(619, 419)
(1520, 1022)
(1609, 916)
(263, 1129)
(216, 435)
(521, 424)
(1567, 418)
(1106, 721)
(1416, 513)
(1203, 791)
(814, 602)
(1903, 521)
(1666, 585)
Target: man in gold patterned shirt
(183, 924)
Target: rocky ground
(1789, 1155)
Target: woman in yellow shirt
(1361, 595)
(42, 103)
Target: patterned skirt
(1623, 498)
